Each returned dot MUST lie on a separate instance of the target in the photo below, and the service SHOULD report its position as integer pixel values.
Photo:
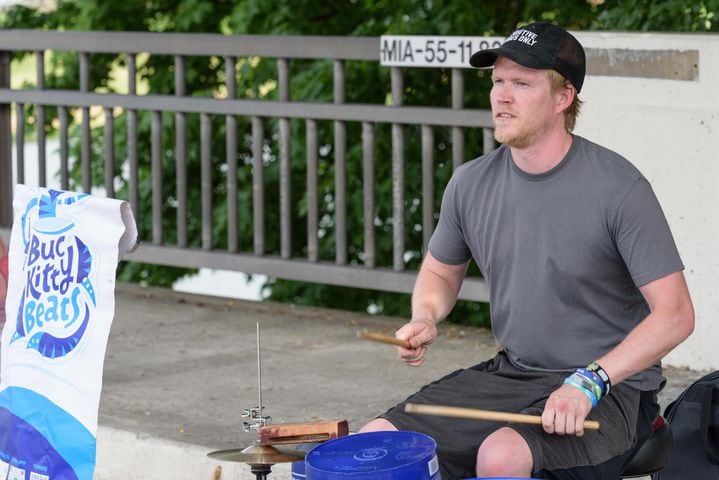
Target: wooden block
(309, 432)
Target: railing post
(132, 158)
(370, 253)
(457, 104)
(40, 121)
(283, 74)
(206, 179)
(231, 156)
(180, 155)
(19, 143)
(427, 185)
(85, 151)
(156, 175)
(258, 186)
(488, 143)
(109, 152)
(64, 150)
(397, 78)
(340, 169)
(5, 146)
(313, 248)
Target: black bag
(694, 417)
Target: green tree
(665, 15)
(312, 81)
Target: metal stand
(259, 457)
(257, 420)
(260, 470)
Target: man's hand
(419, 334)
(565, 411)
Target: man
(586, 285)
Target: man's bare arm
(670, 322)
(435, 293)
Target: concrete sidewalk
(181, 368)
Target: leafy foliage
(667, 15)
(312, 81)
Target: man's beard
(519, 140)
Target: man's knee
(504, 453)
(378, 425)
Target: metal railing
(71, 104)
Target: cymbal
(257, 455)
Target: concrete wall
(670, 130)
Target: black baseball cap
(540, 45)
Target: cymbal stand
(257, 421)
(254, 414)
(260, 470)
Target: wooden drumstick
(489, 415)
(378, 337)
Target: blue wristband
(596, 378)
(588, 382)
(590, 395)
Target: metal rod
(488, 140)
(109, 152)
(283, 80)
(132, 158)
(231, 157)
(40, 121)
(368, 193)
(259, 374)
(340, 169)
(181, 154)
(231, 179)
(457, 104)
(397, 81)
(181, 177)
(348, 112)
(6, 184)
(19, 144)
(261, 471)
(206, 179)
(85, 152)
(312, 195)
(285, 189)
(427, 185)
(156, 169)
(64, 149)
(258, 187)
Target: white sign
(432, 51)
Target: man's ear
(565, 97)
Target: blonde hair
(558, 82)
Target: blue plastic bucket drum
(375, 456)
(298, 467)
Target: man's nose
(501, 94)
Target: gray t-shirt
(563, 252)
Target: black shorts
(625, 416)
